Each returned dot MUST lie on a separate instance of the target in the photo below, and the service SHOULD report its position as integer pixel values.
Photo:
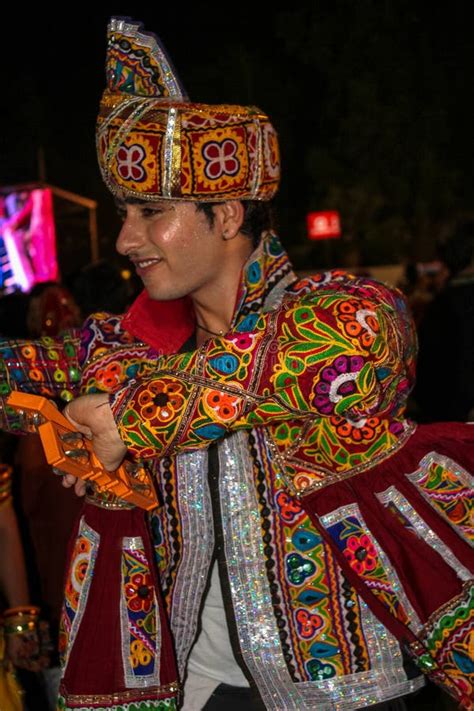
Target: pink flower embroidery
(129, 162)
(220, 158)
(361, 554)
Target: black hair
(258, 217)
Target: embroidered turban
(153, 143)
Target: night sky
(372, 100)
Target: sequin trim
(257, 630)
(197, 536)
(386, 657)
(121, 700)
(431, 496)
(138, 629)
(70, 618)
(423, 530)
(168, 164)
(257, 160)
(256, 624)
(114, 504)
(352, 510)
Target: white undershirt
(212, 660)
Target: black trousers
(231, 698)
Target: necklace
(208, 330)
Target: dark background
(372, 101)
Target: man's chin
(163, 294)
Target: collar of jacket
(166, 325)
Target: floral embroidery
(141, 631)
(139, 592)
(359, 320)
(299, 568)
(243, 341)
(351, 535)
(347, 385)
(130, 162)
(78, 581)
(220, 158)
(161, 400)
(361, 554)
(109, 377)
(308, 623)
(290, 508)
(449, 489)
(363, 431)
(223, 406)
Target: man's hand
(92, 416)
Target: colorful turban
(153, 143)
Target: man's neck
(214, 303)
(214, 309)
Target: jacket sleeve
(321, 354)
(47, 367)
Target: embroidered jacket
(307, 389)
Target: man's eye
(151, 211)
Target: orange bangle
(19, 627)
(22, 611)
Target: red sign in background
(323, 225)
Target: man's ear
(229, 216)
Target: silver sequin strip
(423, 530)
(276, 295)
(353, 510)
(258, 158)
(131, 679)
(464, 477)
(251, 599)
(257, 630)
(168, 151)
(198, 547)
(94, 538)
(386, 661)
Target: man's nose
(129, 236)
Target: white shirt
(212, 660)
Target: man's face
(172, 245)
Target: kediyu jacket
(344, 529)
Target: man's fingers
(78, 484)
(83, 429)
(80, 487)
(68, 480)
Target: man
(270, 409)
(450, 311)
